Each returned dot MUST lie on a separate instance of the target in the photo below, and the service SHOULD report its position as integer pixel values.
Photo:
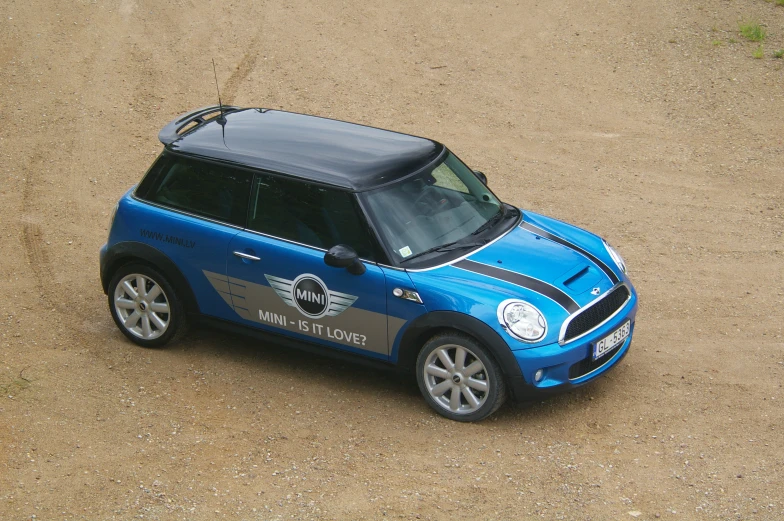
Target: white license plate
(606, 344)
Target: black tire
(149, 335)
(457, 381)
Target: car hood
(561, 262)
(556, 267)
(534, 253)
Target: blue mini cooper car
(328, 235)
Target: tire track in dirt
(37, 257)
(32, 237)
(242, 71)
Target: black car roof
(326, 151)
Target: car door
(277, 277)
(197, 207)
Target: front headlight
(615, 256)
(522, 320)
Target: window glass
(445, 177)
(163, 163)
(214, 191)
(308, 214)
(442, 207)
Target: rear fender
(127, 252)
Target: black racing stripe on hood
(548, 290)
(547, 235)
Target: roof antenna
(221, 119)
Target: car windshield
(440, 209)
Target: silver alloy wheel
(456, 379)
(142, 306)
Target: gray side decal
(395, 324)
(351, 326)
(332, 303)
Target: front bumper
(570, 365)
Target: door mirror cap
(342, 256)
(482, 177)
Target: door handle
(247, 256)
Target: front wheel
(459, 378)
(144, 306)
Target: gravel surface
(649, 123)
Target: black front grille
(596, 314)
(583, 367)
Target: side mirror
(482, 177)
(342, 256)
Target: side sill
(284, 341)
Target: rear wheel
(144, 306)
(459, 378)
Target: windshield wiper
(456, 245)
(491, 222)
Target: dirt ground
(649, 123)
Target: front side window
(307, 214)
(444, 208)
(445, 177)
(206, 189)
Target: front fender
(419, 330)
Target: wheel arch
(128, 252)
(424, 327)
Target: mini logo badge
(310, 295)
(595, 291)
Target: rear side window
(308, 214)
(207, 189)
